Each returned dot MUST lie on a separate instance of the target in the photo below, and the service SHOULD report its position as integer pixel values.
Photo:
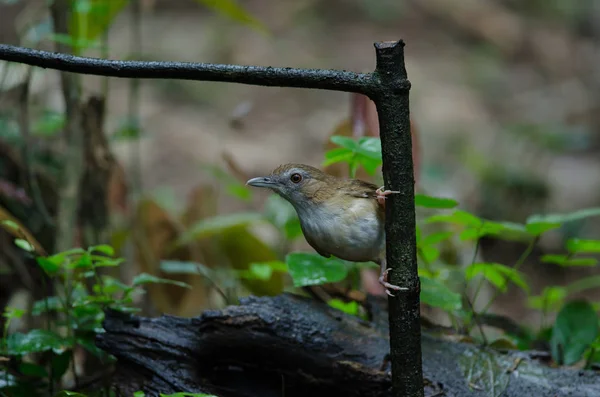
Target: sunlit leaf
(24, 245)
(345, 142)
(337, 155)
(231, 9)
(314, 269)
(346, 307)
(91, 18)
(576, 245)
(566, 260)
(575, 329)
(425, 201)
(104, 248)
(12, 312)
(497, 274)
(49, 266)
(551, 299)
(429, 253)
(370, 147)
(436, 294)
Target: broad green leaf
(145, 278)
(551, 299)
(182, 267)
(370, 165)
(11, 312)
(91, 18)
(264, 271)
(314, 269)
(48, 265)
(104, 248)
(36, 341)
(139, 394)
(217, 224)
(10, 224)
(564, 218)
(566, 260)
(436, 238)
(231, 9)
(60, 363)
(422, 200)
(436, 294)
(458, 217)
(575, 329)
(345, 142)
(51, 302)
(24, 245)
(337, 155)
(346, 307)
(429, 253)
(538, 228)
(497, 274)
(576, 245)
(31, 369)
(369, 147)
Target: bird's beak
(262, 181)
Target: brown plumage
(340, 217)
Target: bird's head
(299, 184)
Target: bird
(340, 217)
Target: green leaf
(538, 228)
(52, 302)
(370, 147)
(338, 155)
(567, 261)
(264, 270)
(346, 307)
(48, 265)
(345, 142)
(314, 269)
(10, 224)
(24, 245)
(217, 224)
(497, 274)
(551, 299)
(370, 165)
(578, 246)
(145, 278)
(60, 363)
(103, 248)
(35, 341)
(67, 393)
(436, 294)
(575, 329)
(436, 238)
(11, 312)
(429, 254)
(30, 369)
(458, 217)
(139, 394)
(564, 218)
(422, 200)
(128, 130)
(583, 284)
(91, 18)
(231, 9)
(181, 267)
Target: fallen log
(293, 346)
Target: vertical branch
(392, 102)
(72, 142)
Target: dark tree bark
(292, 346)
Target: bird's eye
(296, 178)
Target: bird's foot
(381, 194)
(383, 281)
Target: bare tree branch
(335, 80)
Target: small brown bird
(344, 218)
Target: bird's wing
(314, 244)
(361, 189)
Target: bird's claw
(381, 194)
(383, 281)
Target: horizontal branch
(337, 80)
